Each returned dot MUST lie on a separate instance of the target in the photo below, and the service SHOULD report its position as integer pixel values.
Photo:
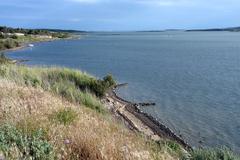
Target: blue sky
(120, 15)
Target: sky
(120, 15)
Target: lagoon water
(194, 77)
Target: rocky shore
(140, 121)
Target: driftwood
(146, 104)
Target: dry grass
(90, 136)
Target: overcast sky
(120, 14)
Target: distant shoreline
(25, 45)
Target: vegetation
(40, 121)
(4, 59)
(73, 85)
(214, 154)
(64, 116)
(8, 44)
(9, 37)
(56, 34)
(15, 144)
(56, 113)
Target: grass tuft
(64, 116)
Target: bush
(8, 44)
(15, 145)
(64, 116)
(214, 154)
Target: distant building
(44, 36)
(12, 34)
(9, 34)
(19, 34)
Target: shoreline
(25, 45)
(140, 121)
(129, 112)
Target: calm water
(193, 77)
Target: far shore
(25, 45)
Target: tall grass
(80, 132)
(73, 85)
(4, 59)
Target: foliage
(56, 34)
(8, 44)
(214, 154)
(16, 145)
(72, 85)
(3, 59)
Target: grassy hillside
(56, 113)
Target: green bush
(64, 116)
(214, 154)
(109, 81)
(8, 44)
(16, 145)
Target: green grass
(214, 154)
(64, 116)
(73, 85)
(4, 59)
(15, 144)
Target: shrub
(8, 44)
(16, 145)
(64, 116)
(109, 81)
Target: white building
(19, 34)
(44, 36)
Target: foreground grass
(36, 124)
